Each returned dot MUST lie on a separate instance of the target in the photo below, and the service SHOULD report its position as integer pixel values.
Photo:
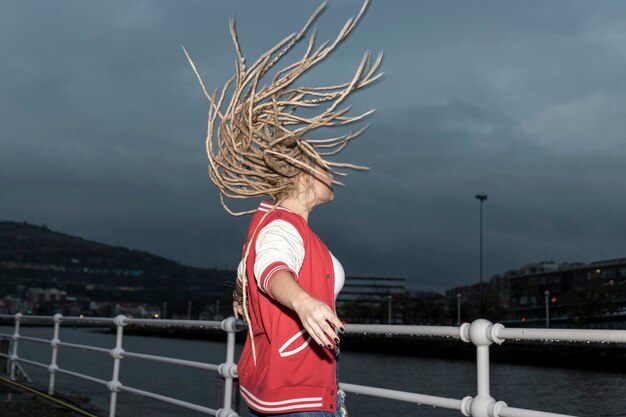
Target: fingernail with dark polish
(329, 347)
(342, 330)
(336, 341)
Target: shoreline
(597, 356)
(574, 355)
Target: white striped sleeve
(279, 247)
(240, 274)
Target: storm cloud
(102, 128)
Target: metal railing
(481, 333)
(227, 369)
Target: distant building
(596, 290)
(137, 310)
(367, 299)
(371, 289)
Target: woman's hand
(238, 310)
(238, 303)
(317, 317)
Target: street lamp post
(389, 309)
(547, 296)
(482, 198)
(458, 308)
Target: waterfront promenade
(130, 373)
(19, 401)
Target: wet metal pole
(547, 296)
(482, 198)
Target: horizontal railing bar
(592, 335)
(169, 400)
(127, 320)
(520, 412)
(7, 335)
(68, 319)
(85, 347)
(445, 331)
(177, 323)
(74, 319)
(39, 364)
(442, 402)
(82, 376)
(563, 335)
(173, 361)
(12, 316)
(34, 339)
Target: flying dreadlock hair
(259, 147)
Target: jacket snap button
(332, 392)
(331, 406)
(327, 275)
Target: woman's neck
(297, 207)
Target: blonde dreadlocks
(259, 146)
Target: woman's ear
(304, 181)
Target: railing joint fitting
(496, 408)
(466, 404)
(55, 343)
(228, 370)
(117, 353)
(480, 332)
(57, 317)
(482, 406)
(114, 386)
(53, 368)
(229, 324)
(120, 320)
(464, 332)
(18, 316)
(494, 333)
(220, 412)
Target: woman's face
(323, 186)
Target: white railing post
(15, 340)
(54, 343)
(228, 369)
(118, 353)
(482, 334)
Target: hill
(35, 256)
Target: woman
(287, 280)
(293, 282)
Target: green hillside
(35, 256)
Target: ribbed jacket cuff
(270, 272)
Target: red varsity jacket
(292, 372)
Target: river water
(569, 391)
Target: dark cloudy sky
(102, 127)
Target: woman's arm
(316, 316)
